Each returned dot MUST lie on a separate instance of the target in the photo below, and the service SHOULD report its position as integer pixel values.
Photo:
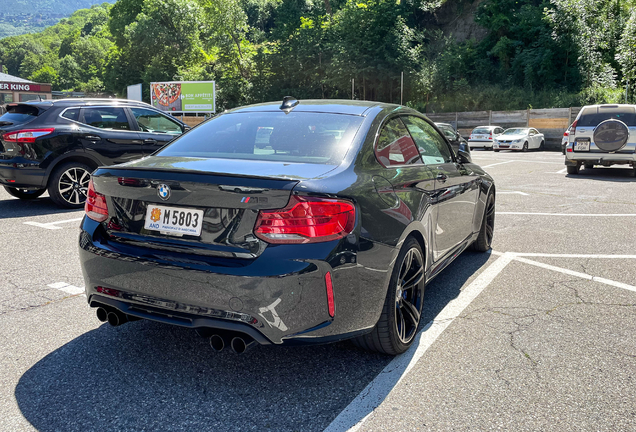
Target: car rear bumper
(22, 175)
(599, 158)
(279, 297)
(480, 143)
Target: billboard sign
(183, 96)
(134, 92)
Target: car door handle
(93, 137)
(150, 141)
(441, 177)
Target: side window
(450, 134)
(152, 121)
(395, 146)
(71, 114)
(431, 144)
(107, 118)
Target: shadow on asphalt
(15, 208)
(605, 174)
(151, 376)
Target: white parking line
(577, 274)
(499, 163)
(67, 288)
(512, 192)
(559, 172)
(568, 214)
(583, 256)
(359, 410)
(52, 225)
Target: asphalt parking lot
(540, 334)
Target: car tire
(24, 194)
(483, 242)
(588, 166)
(542, 146)
(573, 169)
(392, 333)
(68, 184)
(495, 150)
(525, 147)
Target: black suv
(55, 145)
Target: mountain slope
(28, 16)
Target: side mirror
(464, 153)
(185, 128)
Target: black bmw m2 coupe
(301, 222)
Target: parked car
(565, 139)
(330, 231)
(55, 145)
(519, 139)
(602, 135)
(454, 137)
(483, 136)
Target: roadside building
(15, 89)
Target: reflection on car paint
(277, 322)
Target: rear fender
(53, 161)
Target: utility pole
(353, 81)
(402, 88)
(626, 90)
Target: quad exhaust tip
(239, 345)
(217, 343)
(116, 318)
(102, 314)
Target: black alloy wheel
(400, 318)
(487, 231)
(24, 194)
(68, 185)
(525, 146)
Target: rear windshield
(481, 131)
(18, 114)
(270, 136)
(593, 116)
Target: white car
(483, 136)
(519, 139)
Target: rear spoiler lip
(104, 169)
(41, 107)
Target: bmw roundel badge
(163, 190)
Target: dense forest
(523, 53)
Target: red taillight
(566, 133)
(95, 207)
(573, 127)
(26, 135)
(330, 302)
(306, 220)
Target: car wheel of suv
(525, 146)
(24, 194)
(484, 239)
(69, 184)
(397, 326)
(573, 169)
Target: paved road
(538, 335)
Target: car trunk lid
(229, 197)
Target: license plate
(174, 221)
(581, 146)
